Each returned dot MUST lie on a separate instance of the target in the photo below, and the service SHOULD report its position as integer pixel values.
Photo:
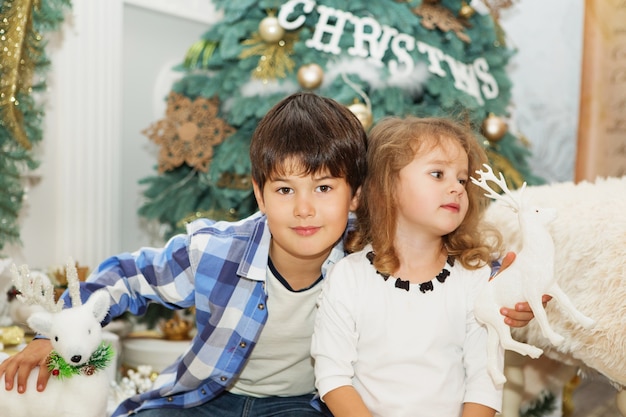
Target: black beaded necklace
(424, 286)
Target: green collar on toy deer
(99, 360)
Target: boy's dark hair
(316, 133)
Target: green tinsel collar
(99, 360)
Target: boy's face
(306, 214)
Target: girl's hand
(522, 314)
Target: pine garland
(98, 361)
(543, 405)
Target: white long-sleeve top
(407, 353)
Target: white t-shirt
(280, 364)
(407, 353)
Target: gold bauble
(494, 128)
(11, 336)
(363, 113)
(310, 76)
(466, 10)
(270, 29)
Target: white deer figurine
(79, 385)
(529, 277)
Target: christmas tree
(23, 24)
(378, 57)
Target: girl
(395, 335)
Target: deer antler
(507, 197)
(73, 282)
(33, 290)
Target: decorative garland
(23, 26)
(543, 405)
(98, 361)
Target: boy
(254, 290)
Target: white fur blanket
(590, 242)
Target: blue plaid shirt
(218, 267)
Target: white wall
(546, 75)
(153, 43)
(106, 61)
(111, 72)
(73, 209)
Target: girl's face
(431, 196)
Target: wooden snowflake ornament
(188, 132)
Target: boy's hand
(522, 314)
(34, 355)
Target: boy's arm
(346, 402)
(521, 314)
(133, 280)
(148, 274)
(35, 354)
(477, 410)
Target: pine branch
(543, 405)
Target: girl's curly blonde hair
(393, 143)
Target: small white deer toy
(78, 386)
(529, 277)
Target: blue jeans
(231, 405)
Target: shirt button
(261, 307)
(242, 344)
(223, 378)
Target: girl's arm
(477, 410)
(346, 402)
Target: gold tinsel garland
(21, 52)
